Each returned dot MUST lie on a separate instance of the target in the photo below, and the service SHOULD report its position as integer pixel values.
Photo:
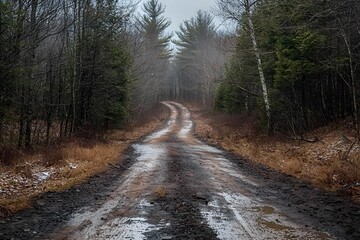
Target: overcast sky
(180, 10)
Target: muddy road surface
(174, 186)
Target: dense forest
(64, 65)
(295, 62)
(81, 66)
(77, 67)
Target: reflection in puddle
(128, 214)
(185, 130)
(232, 216)
(128, 228)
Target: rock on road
(178, 187)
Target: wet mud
(174, 186)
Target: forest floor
(332, 162)
(73, 162)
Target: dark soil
(324, 211)
(332, 212)
(53, 209)
(180, 205)
(186, 190)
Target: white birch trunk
(260, 69)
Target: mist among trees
(84, 66)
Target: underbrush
(332, 163)
(52, 169)
(9, 156)
(25, 175)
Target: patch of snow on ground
(42, 176)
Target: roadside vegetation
(288, 97)
(63, 165)
(79, 81)
(332, 163)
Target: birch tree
(310, 56)
(242, 9)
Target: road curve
(181, 188)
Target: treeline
(199, 62)
(68, 67)
(296, 62)
(61, 61)
(77, 67)
(150, 48)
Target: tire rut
(175, 186)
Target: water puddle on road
(235, 216)
(173, 160)
(235, 212)
(128, 228)
(125, 213)
(186, 129)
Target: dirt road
(174, 186)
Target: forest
(72, 67)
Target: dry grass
(53, 156)
(320, 163)
(9, 156)
(65, 167)
(26, 176)
(160, 192)
(14, 205)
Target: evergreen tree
(152, 58)
(152, 25)
(198, 59)
(62, 63)
(309, 59)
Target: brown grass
(160, 192)
(14, 205)
(23, 169)
(53, 156)
(70, 164)
(320, 163)
(9, 156)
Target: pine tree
(152, 58)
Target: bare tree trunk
(75, 67)
(353, 84)
(261, 71)
(31, 63)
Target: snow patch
(42, 176)
(184, 131)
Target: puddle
(234, 216)
(205, 148)
(185, 130)
(264, 209)
(226, 223)
(234, 212)
(148, 154)
(128, 228)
